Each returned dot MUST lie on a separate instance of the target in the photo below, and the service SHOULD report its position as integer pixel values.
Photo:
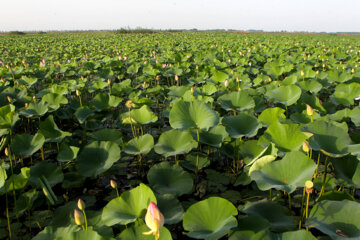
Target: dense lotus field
(179, 136)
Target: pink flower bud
(154, 220)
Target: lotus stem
(85, 220)
(7, 214)
(270, 194)
(317, 166)
(289, 197)
(307, 207)
(176, 160)
(324, 177)
(42, 153)
(13, 190)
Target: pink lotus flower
(164, 65)
(154, 220)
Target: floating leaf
(25, 145)
(241, 125)
(210, 219)
(140, 145)
(130, 206)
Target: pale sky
(269, 15)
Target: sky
(268, 15)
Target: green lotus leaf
(54, 100)
(35, 109)
(97, 157)
(338, 76)
(104, 101)
(355, 116)
(25, 145)
(175, 142)
(287, 137)
(267, 235)
(3, 177)
(337, 219)
(248, 226)
(140, 116)
(15, 182)
(329, 138)
(67, 153)
(345, 93)
(7, 116)
(312, 86)
(258, 164)
(195, 162)
(214, 137)
(51, 171)
(278, 216)
(348, 169)
(287, 174)
(286, 95)
(241, 125)
(219, 76)
(28, 81)
(107, 134)
(140, 145)
(136, 233)
(239, 101)
(130, 206)
(82, 235)
(82, 113)
(170, 207)
(210, 219)
(195, 114)
(271, 115)
(51, 131)
(172, 179)
(335, 196)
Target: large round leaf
(108, 134)
(214, 137)
(82, 235)
(279, 217)
(97, 157)
(337, 219)
(51, 131)
(3, 177)
(170, 207)
(172, 179)
(141, 116)
(25, 145)
(104, 101)
(286, 95)
(54, 100)
(287, 174)
(140, 145)
(239, 101)
(287, 137)
(348, 169)
(130, 206)
(7, 114)
(35, 109)
(241, 125)
(271, 115)
(331, 139)
(51, 171)
(345, 93)
(210, 219)
(136, 233)
(195, 114)
(174, 142)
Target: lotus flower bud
(270, 79)
(26, 105)
(109, 81)
(226, 83)
(6, 152)
(113, 184)
(309, 110)
(154, 220)
(317, 72)
(81, 204)
(143, 85)
(309, 186)
(238, 79)
(305, 147)
(197, 67)
(192, 90)
(77, 92)
(157, 78)
(323, 65)
(129, 104)
(302, 73)
(343, 67)
(9, 99)
(353, 70)
(176, 78)
(2, 80)
(79, 217)
(34, 98)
